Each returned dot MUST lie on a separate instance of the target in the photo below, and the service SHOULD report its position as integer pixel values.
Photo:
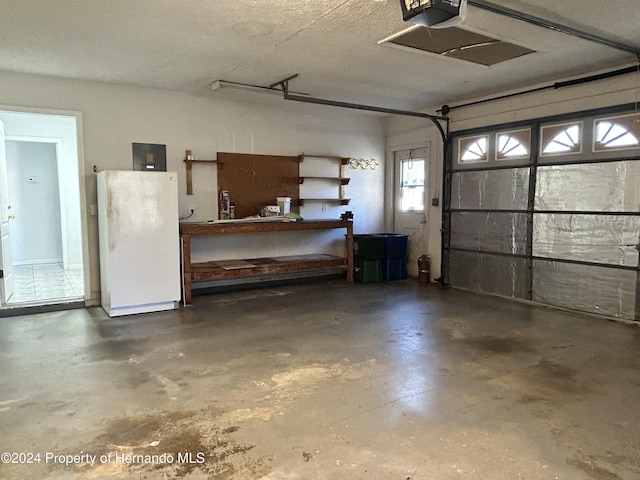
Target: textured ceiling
(185, 45)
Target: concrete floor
(322, 381)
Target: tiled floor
(49, 281)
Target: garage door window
(620, 132)
(513, 145)
(473, 149)
(562, 139)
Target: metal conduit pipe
(568, 83)
(355, 106)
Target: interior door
(410, 210)
(6, 274)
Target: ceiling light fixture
(434, 13)
(446, 13)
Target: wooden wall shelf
(343, 160)
(339, 201)
(341, 180)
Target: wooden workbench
(217, 270)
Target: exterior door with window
(410, 212)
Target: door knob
(11, 216)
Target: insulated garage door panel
(505, 189)
(607, 239)
(497, 274)
(597, 187)
(498, 232)
(603, 290)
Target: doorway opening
(410, 213)
(42, 247)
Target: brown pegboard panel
(254, 181)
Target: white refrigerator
(139, 241)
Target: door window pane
(412, 185)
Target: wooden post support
(189, 177)
(349, 252)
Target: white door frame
(81, 179)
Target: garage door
(548, 212)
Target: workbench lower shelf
(225, 269)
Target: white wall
(113, 117)
(406, 132)
(35, 232)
